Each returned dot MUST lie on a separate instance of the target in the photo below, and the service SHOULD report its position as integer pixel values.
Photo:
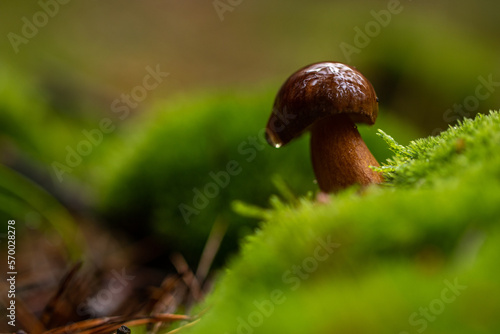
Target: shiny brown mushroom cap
(316, 91)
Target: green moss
(395, 250)
(453, 152)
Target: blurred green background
(64, 76)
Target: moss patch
(417, 254)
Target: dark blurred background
(78, 76)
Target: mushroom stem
(339, 155)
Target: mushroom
(328, 98)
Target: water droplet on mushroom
(273, 140)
